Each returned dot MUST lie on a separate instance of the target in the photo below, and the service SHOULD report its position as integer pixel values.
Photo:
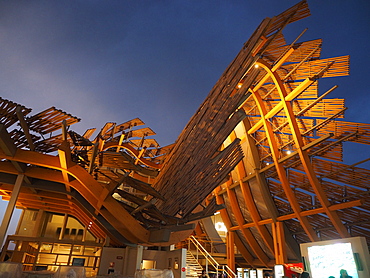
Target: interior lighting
(256, 66)
(220, 227)
(288, 152)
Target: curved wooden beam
(297, 137)
(279, 168)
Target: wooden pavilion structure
(265, 149)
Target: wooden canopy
(265, 148)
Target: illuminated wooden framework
(292, 186)
(264, 149)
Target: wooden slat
(50, 120)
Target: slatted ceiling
(339, 172)
(276, 48)
(304, 50)
(49, 145)
(20, 140)
(341, 128)
(318, 221)
(282, 207)
(339, 68)
(297, 178)
(268, 91)
(353, 215)
(50, 120)
(295, 227)
(334, 152)
(282, 139)
(276, 189)
(323, 109)
(333, 191)
(252, 111)
(294, 161)
(253, 119)
(204, 181)
(146, 143)
(8, 115)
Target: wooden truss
(292, 186)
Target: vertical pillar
(279, 242)
(84, 234)
(64, 225)
(10, 208)
(139, 256)
(125, 262)
(230, 250)
(20, 222)
(107, 241)
(37, 229)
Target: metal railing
(223, 269)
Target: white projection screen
(326, 258)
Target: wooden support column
(64, 225)
(84, 234)
(139, 256)
(10, 208)
(38, 224)
(279, 243)
(230, 250)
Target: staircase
(193, 268)
(211, 263)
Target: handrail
(224, 268)
(204, 252)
